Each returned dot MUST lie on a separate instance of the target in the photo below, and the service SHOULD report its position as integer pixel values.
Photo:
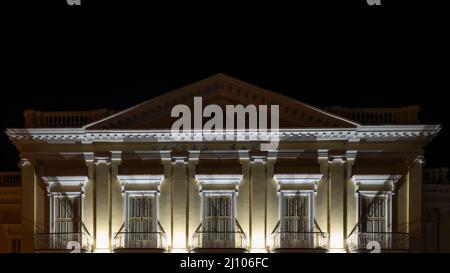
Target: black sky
(69, 60)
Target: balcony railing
(299, 240)
(205, 239)
(387, 240)
(141, 240)
(10, 179)
(60, 241)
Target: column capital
(116, 157)
(88, 157)
(102, 160)
(180, 159)
(24, 162)
(337, 159)
(350, 155)
(419, 160)
(258, 159)
(322, 154)
(194, 156)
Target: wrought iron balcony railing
(299, 240)
(141, 240)
(60, 241)
(387, 240)
(205, 239)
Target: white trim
(65, 181)
(218, 179)
(369, 133)
(375, 180)
(144, 179)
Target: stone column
(180, 204)
(194, 210)
(102, 203)
(336, 202)
(243, 198)
(117, 198)
(258, 228)
(414, 181)
(351, 211)
(165, 198)
(88, 208)
(272, 210)
(42, 204)
(28, 205)
(321, 198)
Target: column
(88, 200)
(336, 203)
(179, 204)
(258, 228)
(117, 198)
(272, 210)
(194, 210)
(414, 181)
(321, 198)
(42, 204)
(351, 210)
(165, 198)
(102, 205)
(243, 198)
(28, 206)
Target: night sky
(70, 60)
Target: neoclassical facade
(339, 180)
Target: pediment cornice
(219, 89)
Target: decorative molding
(24, 162)
(102, 160)
(52, 182)
(89, 157)
(306, 181)
(258, 159)
(138, 182)
(375, 182)
(367, 133)
(116, 156)
(218, 180)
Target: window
(218, 225)
(296, 210)
(141, 213)
(141, 224)
(374, 213)
(296, 219)
(66, 214)
(218, 213)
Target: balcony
(127, 241)
(307, 241)
(209, 241)
(140, 241)
(389, 241)
(62, 242)
(313, 241)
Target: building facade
(340, 180)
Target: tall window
(141, 213)
(218, 224)
(373, 213)
(141, 220)
(66, 214)
(218, 213)
(296, 210)
(296, 219)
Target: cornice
(361, 133)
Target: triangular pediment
(219, 89)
